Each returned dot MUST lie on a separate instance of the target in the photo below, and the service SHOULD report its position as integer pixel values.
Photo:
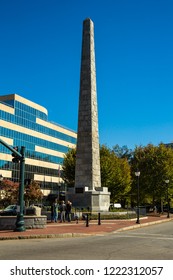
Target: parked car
(10, 210)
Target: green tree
(121, 181)
(68, 168)
(115, 174)
(123, 152)
(155, 164)
(106, 166)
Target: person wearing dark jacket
(68, 210)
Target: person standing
(62, 209)
(55, 211)
(68, 210)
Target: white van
(115, 205)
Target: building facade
(25, 123)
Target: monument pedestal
(93, 200)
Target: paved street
(151, 242)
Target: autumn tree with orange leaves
(9, 191)
(33, 193)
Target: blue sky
(40, 51)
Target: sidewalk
(64, 230)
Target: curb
(47, 236)
(69, 235)
(143, 225)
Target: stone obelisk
(87, 172)
(88, 191)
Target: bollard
(99, 219)
(87, 220)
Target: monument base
(91, 200)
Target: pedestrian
(68, 210)
(55, 211)
(62, 209)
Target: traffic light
(15, 158)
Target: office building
(25, 123)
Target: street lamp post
(137, 174)
(20, 223)
(167, 189)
